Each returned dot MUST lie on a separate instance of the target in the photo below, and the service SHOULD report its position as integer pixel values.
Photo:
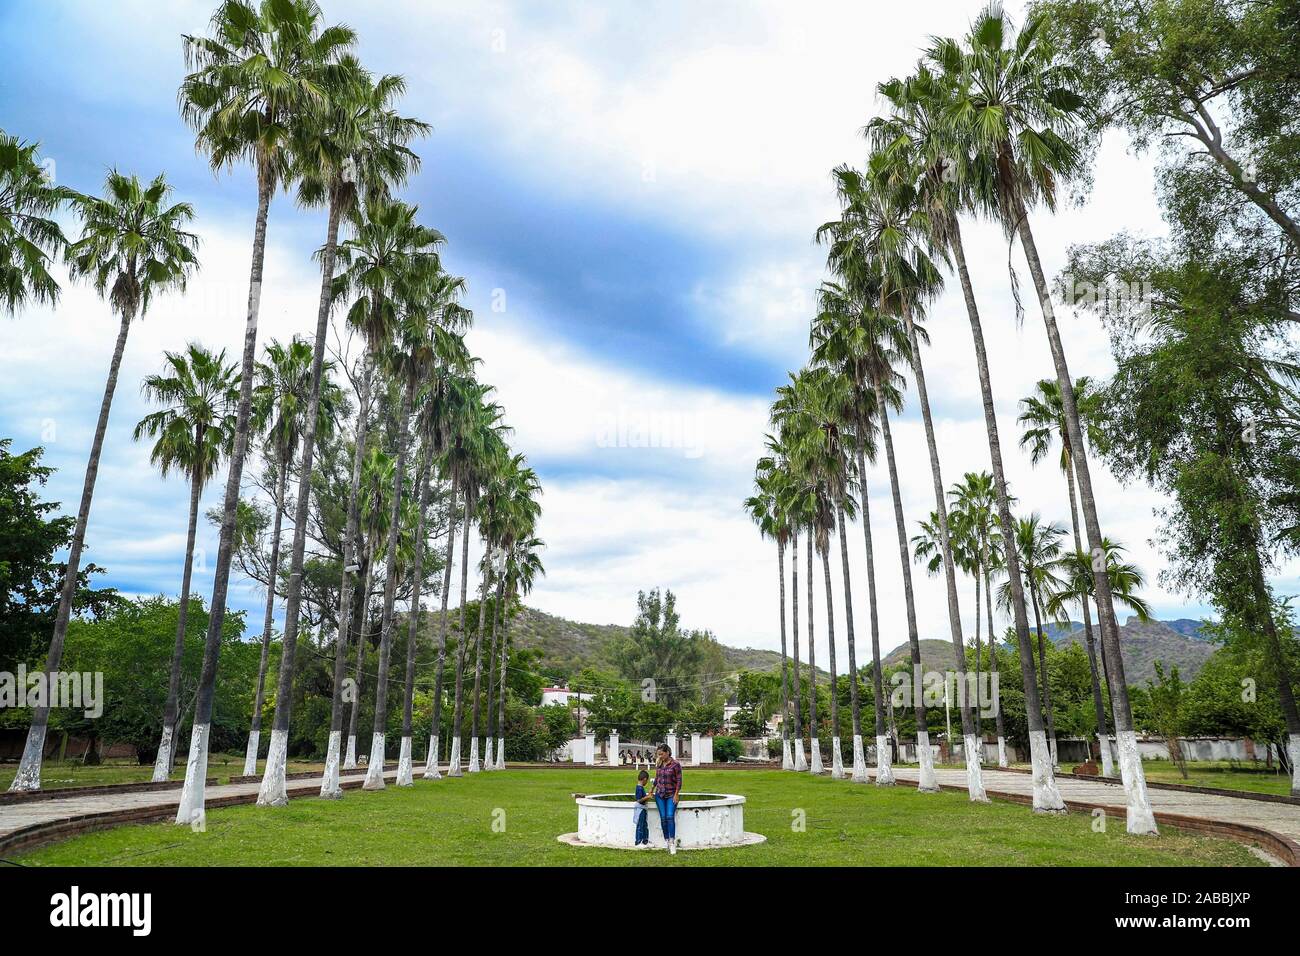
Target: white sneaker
(672, 848)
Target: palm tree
(349, 152)
(1015, 109)
(132, 246)
(1039, 549)
(765, 512)
(28, 236)
(193, 431)
(254, 79)
(1042, 422)
(522, 566)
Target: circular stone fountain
(705, 821)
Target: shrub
(727, 749)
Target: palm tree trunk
(1140, 818)
(268, 618)
(375, 770)
(1042, 673)
(363, 619)
(884, 768)
(974, 776)
(979, 729)
(431, 759)
(796, 736)
(1046, 796)
(837, 755)
(162, 768)
(1103, 732)
(927, 782)
(453, 763)
(28, 777)
(190, 809)
(488, 760)
(787, 759)
(859, 754)
(993, 669)
(501, 678)
(404, 775)
(474, 766)
(814, 734)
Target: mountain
(936, 655)
(570, 645)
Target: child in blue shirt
(639, 815)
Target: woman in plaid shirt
(668, 785)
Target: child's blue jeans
(666, 818)
(642, 825)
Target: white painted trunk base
(273, 792)
(800, 758)
(250, 752)
(1002, 753)
(350, 758)
(1051, 748)
(837, 760)
(488, 762)
(859, 761)
(927, 782)
(404, 765)
(787, 758)
(884, 763)
(1293, 751)
(1140, 818)
(190, 810)
(375, 769)
(28, 777)
(473, 756)
(974, 775)
(329, 784)
(815, 757)
(1047, 799)
(501, 753)
(1107, 763)
(162, 765)
(431, 761)
(453, 761)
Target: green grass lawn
(450, 822)
(57, 776)
(1220, 774)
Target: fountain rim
(684, 803)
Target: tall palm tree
(192, 432)
(29, 237)
(352, 150)
(1039, 549)
(523, 565)
(253, 80)
(1042, 422)
(763, 509)
(924, 147)
(132, 246)
(1015, 108)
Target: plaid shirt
(668, 779)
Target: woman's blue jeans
(667, 818)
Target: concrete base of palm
(1293, 751)
(501, 753)
(1047, 798)
(800, 758)
(787, 759)
(453, 759)
(350, 756)
(859, 761)
(250, 752)
(1002, 753)
(375, 769)
(487, 754)
(473, 755)
(189, 812)
(1107, 762)
(329, 784)
(837, 760)
(974, 774)
(1140, 818)
(162, 765)
(928, 782)
(884, 763)
(404, 765)
(431, 761)
(815, 758)
(273, 792)
(28, 777)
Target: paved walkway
(1281, 818)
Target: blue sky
(636, 190)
